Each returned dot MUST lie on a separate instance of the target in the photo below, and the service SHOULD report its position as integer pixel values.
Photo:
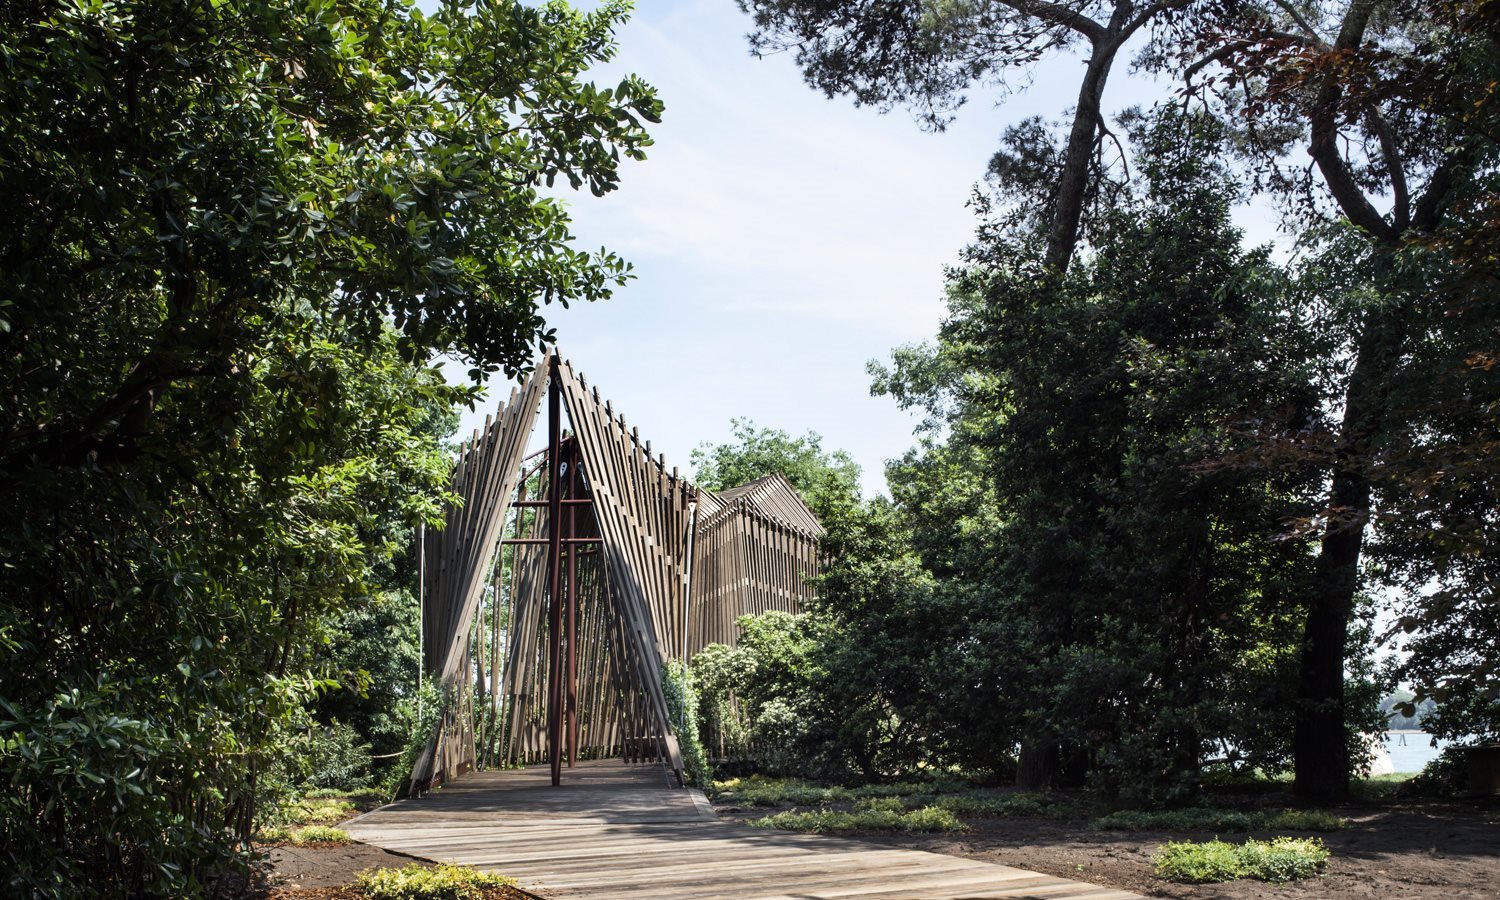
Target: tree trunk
(1036, 770)
(1320, 741)
(1073, 182)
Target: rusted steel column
(572, 599)
(554, 572)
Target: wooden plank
(624, 831)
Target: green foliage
(318, 811)
(1193, 862)
(1221, 820)
(1022, 804)
(423, 882)
(758, 790)
(372, 653)
(1109, 581)
(719, 672)
(927, 819)
(303, 835)
(1446, 776)
(238, 232)
(319, 834)
(1279, 860)
(682, 707)
(824, 478)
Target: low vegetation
(1279, 860)
(947, 794)
(881, 815)
(420, 882)
(303, 836)
(1209, 818)
(318, 811)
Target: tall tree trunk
(1320, 743)
(1073, 181)
(1036, 770)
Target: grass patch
(1381, 787)
(419, 882)
(880, 818)
(308, 834)
(1209, 818)
(1279, 860)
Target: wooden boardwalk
(621, 831)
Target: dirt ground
(327, 873)
(1396, 850)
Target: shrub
(825, 821)
(420, 882)
(1193, 862)
(1279, 860)
(1283, 859)
(1446, 776)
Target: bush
(1446, 776)
(1193, 862)
(825, 821)
(420, 882)
(1279, 860)
(1283, 859)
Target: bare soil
(1391, 850)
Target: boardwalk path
(620, 831)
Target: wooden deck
(621, 831)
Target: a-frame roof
(771, 495)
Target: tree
(824, 478)
(926, 55)
(1129, 602)
(239, 231)
(1389, 100)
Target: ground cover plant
(1221, 820)
(1278, 860)
(304, 835)
(424, 882)
(891, 817)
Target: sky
(780, 239)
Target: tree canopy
(240, 232)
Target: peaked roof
(771, 495)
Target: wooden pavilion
(564, 581)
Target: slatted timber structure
(563, 582)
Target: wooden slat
(621, 831)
